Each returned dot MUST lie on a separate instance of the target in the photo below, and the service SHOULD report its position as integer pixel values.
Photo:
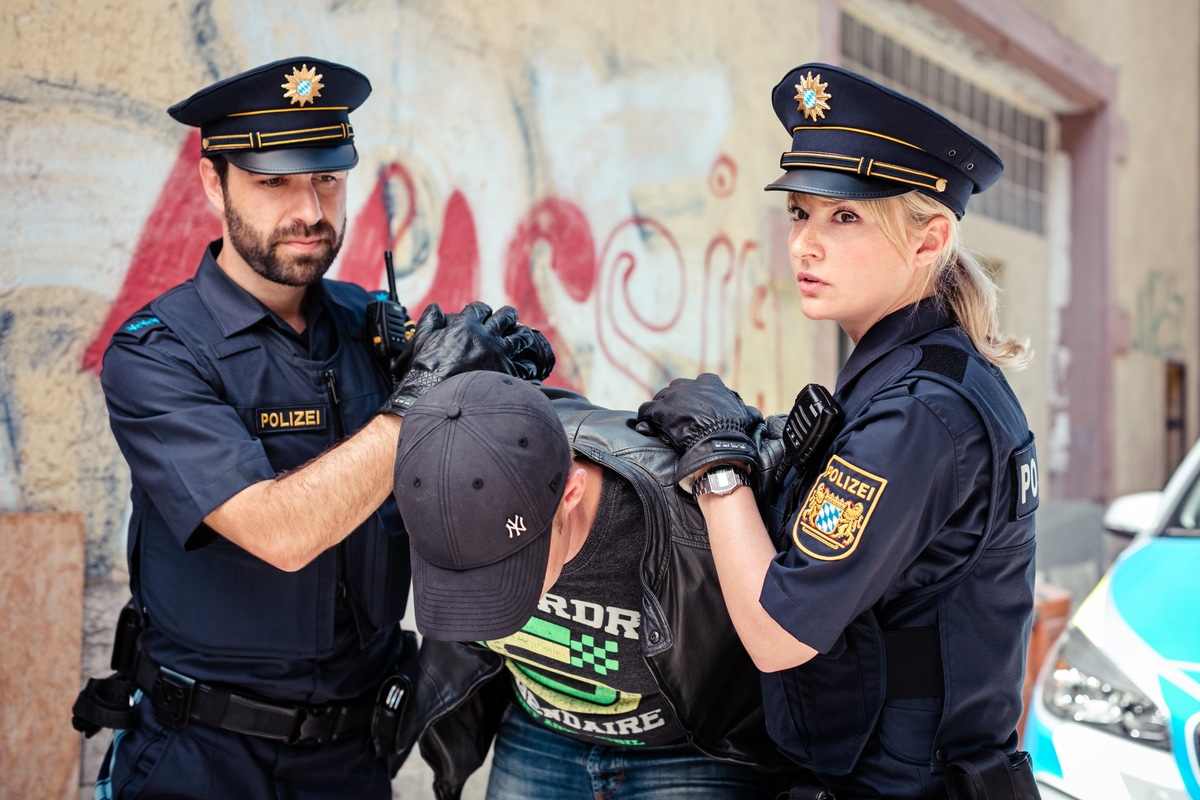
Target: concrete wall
(1153, 50)
(1156, 256)
(600, 169)
(597, 165)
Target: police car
(1115, 709)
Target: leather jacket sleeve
(458, 698)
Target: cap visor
(483, 603)
(829, 183)
(295, 159)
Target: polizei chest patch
(835, 514)
(284, 420)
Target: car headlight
(1086, 687)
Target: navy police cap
(855, 139)
(284, 117)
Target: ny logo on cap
(516, 526)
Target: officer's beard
(260, 252)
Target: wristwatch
(721, 479)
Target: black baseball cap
(285, 117)
(855, 139)
(481, 466)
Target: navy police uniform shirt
(917, 467)
(909, 568)
(196, 428)
(159, 402)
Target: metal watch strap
(721, 479)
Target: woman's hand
(705, 421)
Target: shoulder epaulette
(943, 359)
(140, 324)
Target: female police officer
(891, 630)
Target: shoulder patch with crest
(834, 516)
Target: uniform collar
(233, 307)
(895, 330)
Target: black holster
(108, 702)
(992, 775)
(390, 703)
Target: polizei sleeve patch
(833, 519)
(1025, 481)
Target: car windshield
(1186, 520)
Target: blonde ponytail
(958, 279)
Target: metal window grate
(1019, 138)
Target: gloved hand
(442, 346)
(705, 421)
(531, 354)
(771, 465)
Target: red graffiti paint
(456, 281)
(719, 249)
(371, 232)
(561, 226)
(722, 177)
(754, 314)
(625, 262)
(552, 253)
(169, 248)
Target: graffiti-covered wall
(598, 166)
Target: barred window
(1019, 138)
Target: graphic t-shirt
(577, 665)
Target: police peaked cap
(285, 117)
(855, 139)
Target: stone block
(41, 623)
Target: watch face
(722, 480)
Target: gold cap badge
(303, 85)
(812, 97)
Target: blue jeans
(532, 762)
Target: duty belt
(178, 700)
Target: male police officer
(269, 568)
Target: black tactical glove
(771, 464)
(388, 330)
(531, 354)
(442, 346)
(705, 421)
